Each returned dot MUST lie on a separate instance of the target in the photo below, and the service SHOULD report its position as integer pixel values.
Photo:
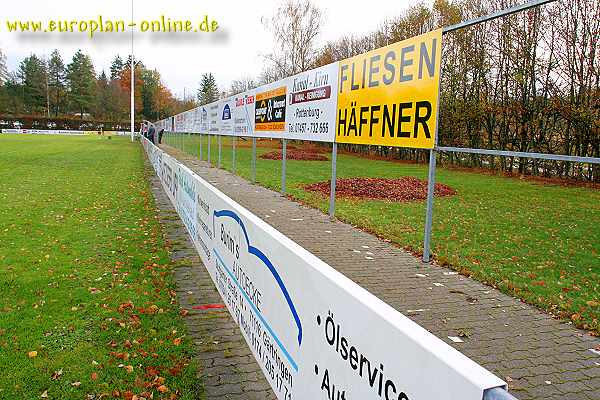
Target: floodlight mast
(132, 77)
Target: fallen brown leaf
(162, 389)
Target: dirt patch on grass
(403, 189)
(294, 154)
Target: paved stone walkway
(540, 358)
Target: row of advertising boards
(388, 96)
(314, 332)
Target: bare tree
(295, 27)
(241, 85)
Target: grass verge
(88, 308)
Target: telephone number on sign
(309, 127)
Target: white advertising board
(203, 119)
(190, 119)
(225, 115)
(197, 119)
(315, 333)
(186, 121)
(179, 122)
(312, 104)
(243, 114)
(213, 118)
(49, 131)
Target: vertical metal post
(431, 186)
(201, 140)
(220, 150)
(283, 157)
(185, 135)
(253, 160)
(208, 155)
(333, 181)
(429, 216)
(233, 156)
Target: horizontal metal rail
(522, 154)
(497, 14)
(497, 394)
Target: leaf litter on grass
(404, 189)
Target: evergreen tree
(33, 75)
(208, 91)
(82, 82)
(102, 96)
(116, 68)
(12, 103)
(150, 89)
(138, 63)
(56, 82)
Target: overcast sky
(236, 51)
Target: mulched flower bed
(294, 154)
(403, 189)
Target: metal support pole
(253, 160)
(220, 150)
(333, 181)
(208, 155)
(283, 156)
(233, 156)
(429, 216)
(498, 14)
(185, 135)
(505, 153)
(201, 140)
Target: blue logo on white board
(264, 260)
(226, 112)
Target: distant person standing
(160, 135)
(151, 132)
(144, 130)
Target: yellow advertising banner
(389, 96)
